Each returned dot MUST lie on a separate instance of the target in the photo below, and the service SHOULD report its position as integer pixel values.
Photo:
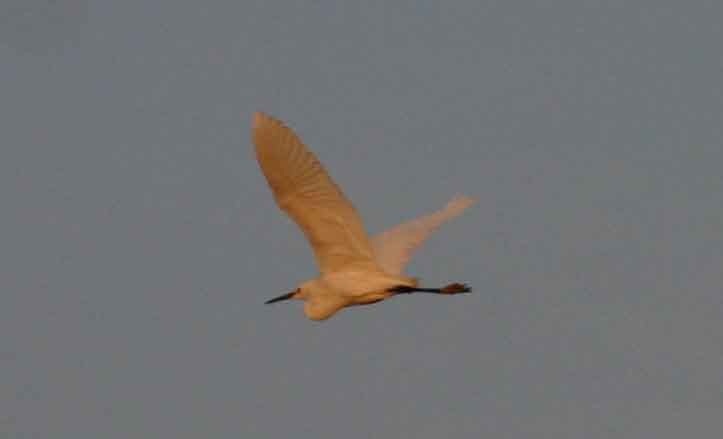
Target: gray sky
(139, 239)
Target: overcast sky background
(139, 239)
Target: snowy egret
(355, 270)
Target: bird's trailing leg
(455, 288)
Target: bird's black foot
(455, 288)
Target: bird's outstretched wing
(304, 190)
(394, 248)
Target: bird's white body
(355, 270)
(328, 293)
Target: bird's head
(302, 292)
(317, 306)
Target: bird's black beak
(286, 296)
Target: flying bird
(354, 269)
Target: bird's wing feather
(304, 190)
(394, 248)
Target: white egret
(355, 270)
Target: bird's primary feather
(305, 191)
(395, 247)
